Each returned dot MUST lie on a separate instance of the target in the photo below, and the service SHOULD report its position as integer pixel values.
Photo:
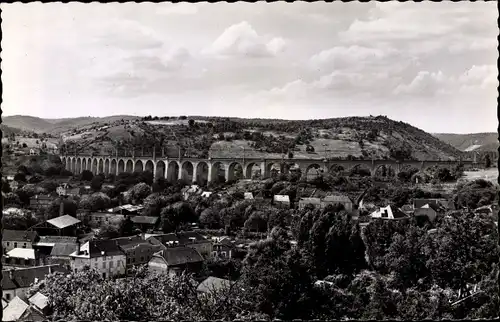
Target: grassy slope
(488, 141)
(87, 130)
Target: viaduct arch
(203, 171)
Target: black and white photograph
(250, 161)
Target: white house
(389, 212)
(105, 256)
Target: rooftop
(336, 198)
(24, 253)
(63, 249)
(144, 220)
(51, 241)
(19, 235)
(180, 256)
(213, 284)
(39, 300)
(15, 309)
(63, 221)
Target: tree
(139, 192)
(5, 186)
(96, 183)
(94, 202)
(191, 122)
(453, 265)
(25, 145)
(210, 219)
(86, 175)
(487, 161)
(126, 227)
(20, 177)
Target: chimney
(61, 208)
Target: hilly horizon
(371, 136)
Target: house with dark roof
(45, 244)
(337, 199)
(185, 239)
(16, 282)
(223, 248)
(213, 284)
(430, 211)
(105, 256)
(176, 260)
(61, 252)
(137, 250)
(438, 203)
(99, 219)
(145, 223)
(18, 239)
(311, 202)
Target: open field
(487, 174)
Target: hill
(56, 126)
(354, 137)
(481, 142)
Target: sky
(433, 65)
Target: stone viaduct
(206, 170)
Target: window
(7, 296)
(103, 275)
(15, 245)
(128, 260)
(95, 265)
(111, 264)
(103, 264)
(76, 270)
(223, 254)
(8, 244)
(142, 258)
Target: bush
(86, 175)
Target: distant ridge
(481, 142)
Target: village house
(98, 219)
(19, 310)
(137, 250)
(408, 209)
(187, 239)
(223, 247)
(248, 196)
(45, 244)
(282, 201)
(18, 239)
(40, 201)
(312, 202)
(105, 256)
(206, 194)
(428, 210)
(41, 302)
(21, 257)
(491, 210)
(192, 190)
(332, 200)
(175, 260)
(61, 226)
(16, 282)
(213, 285)
(439, 203)
(61, 254)
(145, 223)
(389, 213)
(127, 209)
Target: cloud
(480, 77)
(183, 8)
(355, 57)
(425, 83)
(128, 35)
(242, 40)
